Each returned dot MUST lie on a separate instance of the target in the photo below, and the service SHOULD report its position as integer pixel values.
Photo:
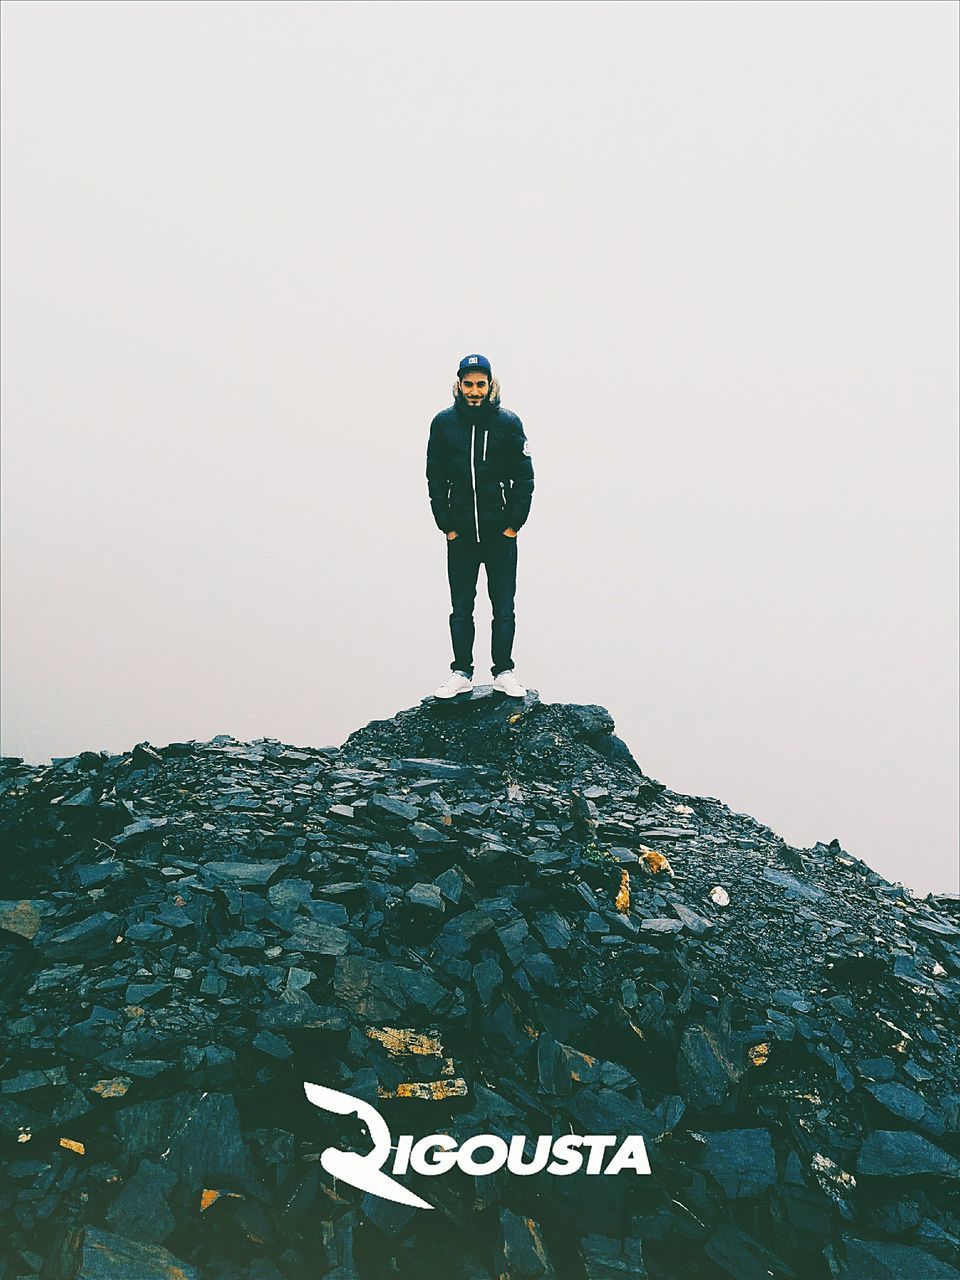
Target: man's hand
(510, 533)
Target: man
(480, 482)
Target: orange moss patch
(655, 862)
(397, 1041)
(428, 1091)
(622, 902)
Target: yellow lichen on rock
(397, 1040)
(210, 1195)
(622, 902)
(115, 1088)
(654, 862)
(427, 1090)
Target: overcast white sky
(711, 251)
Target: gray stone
(894, 1153)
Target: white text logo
(482, 1154)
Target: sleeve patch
(526, 448)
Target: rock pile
(479, 917)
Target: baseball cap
(473, 364)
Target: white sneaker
(458, 683)
(507, 682)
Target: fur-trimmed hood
(492, 401)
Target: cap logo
(474, 360)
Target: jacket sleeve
(438, 484)
(520, 469)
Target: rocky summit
(479, 917)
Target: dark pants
(464, 557)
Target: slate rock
(242, 873)
(427, 897)
(608, 1258)
(112, 1257)
(801, 889)
(459, 935)
(90, 936)
(908, 1105)
(696, 924)
(883, 1260)
(661, 924)
(743, 1257)
(488, 977)
(741, 1160)
(706, 1070)
(22, 918)
(318, 939)
(902, 1153)
(523, 1251)
(391, 807)
(370, 988)
(140, 1210)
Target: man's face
(475, 387)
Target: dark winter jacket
(479, 469)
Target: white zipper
(485, 437)
(473, 472)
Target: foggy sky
(711, 252)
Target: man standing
(480, 482)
